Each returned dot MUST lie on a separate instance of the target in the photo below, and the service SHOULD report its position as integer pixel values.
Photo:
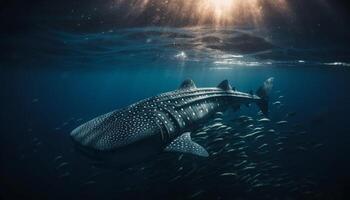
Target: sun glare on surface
(230, 12)
(227, 11)
(198, 12)
(221, 8)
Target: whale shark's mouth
(90, 133)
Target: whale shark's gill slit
(169, 122)
(174, 120)
(162, 129)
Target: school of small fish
(245, 157)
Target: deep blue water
(52, 81)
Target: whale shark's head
(115, 129)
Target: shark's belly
(125, 156)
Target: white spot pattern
(174, 110)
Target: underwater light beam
(199, 12)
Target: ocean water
(52, 81)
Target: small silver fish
(259, 136)
(251, 134)
(276, 103)
(238, 143)
(196, 194)
(218, 119)
(262, 146)
(61, 165)
(218, 139)
(250, 126)
(216, 125)
(258, 128)
(264, 120)
(241, 163)
(281, 122)
(219, 114)
(301, 148)
(201, 133)
(175, 178)
(228, 174)
(271, 131)
(231, 150)
(248, 168)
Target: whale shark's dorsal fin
(225, 85)
(184, 144)
(187, 84)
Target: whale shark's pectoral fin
(184, 144)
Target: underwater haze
(54, 80)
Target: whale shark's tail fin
(263, 92)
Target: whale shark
(162, 123)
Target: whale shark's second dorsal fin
(187, 84)
(225, 85)
(184, 144)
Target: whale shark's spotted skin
(165, 116)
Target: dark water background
(52, 81)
